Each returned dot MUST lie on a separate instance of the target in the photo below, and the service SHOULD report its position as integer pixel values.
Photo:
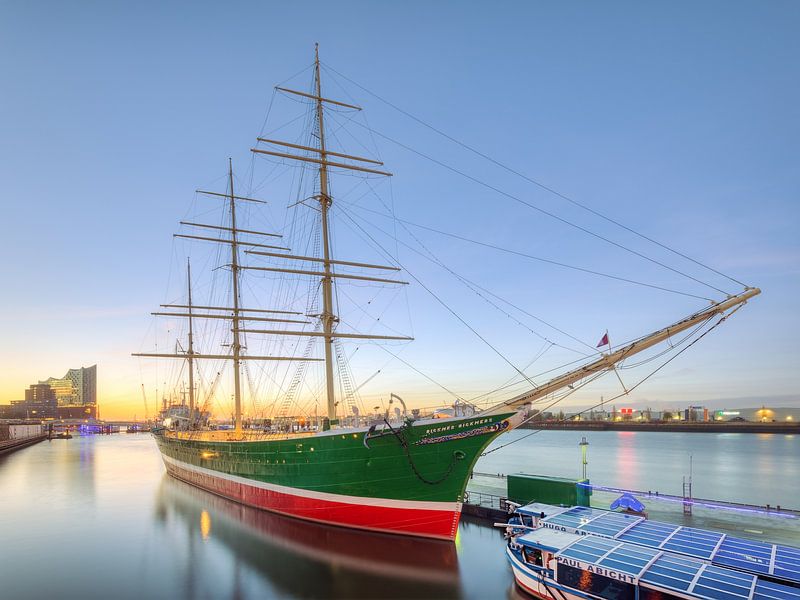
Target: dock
(15, 435)
(784, 427)
(488, 499)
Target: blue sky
(680, 120)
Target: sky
(678, 119)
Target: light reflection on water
(86, 516)
(96, 517)
(738, 467)
(306, 559)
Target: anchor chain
(400, 435)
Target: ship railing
(486, 500)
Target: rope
(530, 256)
(543, 211)
(625, 393)
(537, 183)
(451, 311)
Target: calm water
(96, 517)
(737, 467)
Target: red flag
(603, 341)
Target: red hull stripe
(375, 514)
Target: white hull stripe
(323, 496)
(533, 583)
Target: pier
(15, 435)
(792, 427)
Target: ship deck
(232, 436)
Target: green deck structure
(524, 488)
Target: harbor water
(96, 517)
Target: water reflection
(303, 559)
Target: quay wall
(14, 436)
(696, 427)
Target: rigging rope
(628, 391)
(450, 310)
(535, 182)
(472, 285)
(525, 255)
(543, 211)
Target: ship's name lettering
(562, 528)
(458, 426)
(571, 562)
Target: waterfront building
(761, 414)
(40, 392)
(73, 396)
(77, 388)
(40, 403)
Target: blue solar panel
(672, 572)
(575, 517)
(610, 524)
(746, 555)
(787, 563)
(694, 542)
(766, 590)
(759, 558)
(648, 533)
(589, 549)
(737, 553)
(657, 568)
(715, 582)
(628, 559)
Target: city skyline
(691, 144)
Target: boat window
(605, 587)
(533, 556)
(645, 594)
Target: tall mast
(322, 157)
(325, 201)
(237, 348)
(190, 352)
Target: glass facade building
(77, 388)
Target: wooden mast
(237, 347)
(190, 349)
(328, 318)
(236, 313)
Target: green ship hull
(408, 479)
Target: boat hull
(408, 481)
(535, 584)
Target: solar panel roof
(787, 562)
(649, 533)
(694, 542)
(767, 590)
(760, 558)
(663, 570)
(610, 524)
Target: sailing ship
(403, 477)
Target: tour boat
(553, 564)
(774, 562)
(403, 475)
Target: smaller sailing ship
(405, 476)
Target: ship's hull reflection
(304, 559)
